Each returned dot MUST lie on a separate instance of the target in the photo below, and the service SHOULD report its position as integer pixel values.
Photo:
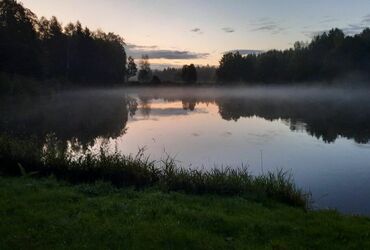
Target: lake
(320, 135)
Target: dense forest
(328, 56)
(41, 48)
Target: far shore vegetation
(39, 53)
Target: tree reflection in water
(82, 116)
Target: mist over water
(319, 134)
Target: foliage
(189, 73)
(155, 80)
(131, 67)
(145, 73)
(42, 49)
(19, 43)
(53, 158)
(231, 67)
(46, 214)
(205, 74)
(329, 56)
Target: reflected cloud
(226, 134)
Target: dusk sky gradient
(193, 31)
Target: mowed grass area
(47, 214)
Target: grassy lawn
(46, 214)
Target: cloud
(228, 30)
(313, 33)
(136, 51)
(273, 28)
(267, 25)
(134, 46)
(328, 19)
(197, 31)
(175, 54)
(353, 29)
(366, 19)
(246, 51)
(349, 30)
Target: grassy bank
(47, 214)
(29, 157)
(50, 199)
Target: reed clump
(20, 156)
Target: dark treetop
(43, 49)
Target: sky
(174, 32)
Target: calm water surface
(320, 135)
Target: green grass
(47, 214)
(112, 201)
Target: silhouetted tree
(19, 45)
(189, 73)
(155, 80)
(204, 74)
(328, 56)
(145, 72)
(42, 48)
(131, 67)
(54, 47)
(231, 67)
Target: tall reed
(53, 158)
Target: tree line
(43, 49)
(188, 74)
(327, 57)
